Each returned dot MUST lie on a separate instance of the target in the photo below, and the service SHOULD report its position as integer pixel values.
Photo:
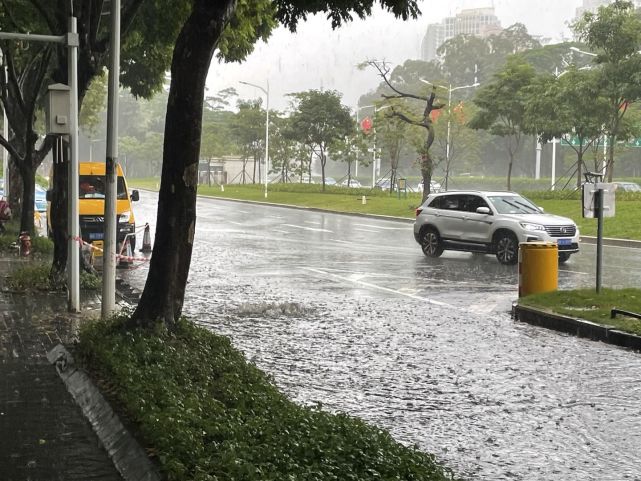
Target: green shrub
(42, 245)
(35, 276)
(208, 414)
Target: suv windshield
(513, 204)
(93, 187)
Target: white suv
(489, 222)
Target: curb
(576, 327)
(129, 458)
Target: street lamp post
(91, 142)
(266, 92)
(450, 89)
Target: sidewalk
(43, 433)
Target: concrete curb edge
(129, 458)
(576, 327)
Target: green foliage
(94, 103)
(35, 276)
(319, 120)
(41, 245)
(209, 414)
(587, 304)
(290, 12)
(502, 106)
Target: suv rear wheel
(431, 243)
(507, 248)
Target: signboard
(588, 197)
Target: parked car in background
(383, 184)
(434, 187)
(627, 186)
(352, 183)
(40, 203)
(330, 181)
(490, 223)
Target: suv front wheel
(431, 243)
(507, 248)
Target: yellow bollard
(538, 267)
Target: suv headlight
(528, 226)
(124, 217)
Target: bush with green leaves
(208, 414)
(35, 276)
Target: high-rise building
(481, 22)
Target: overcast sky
(318, 58)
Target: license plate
(95, 235)
(564, 242)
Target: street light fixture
(266, 92)
(449, 89)
(578, 50)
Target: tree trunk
(610, 163)
(427, 164)
(579, 167)
(509, 171)
(28, 175)
(164, 293)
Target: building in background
(480, 22)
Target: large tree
(569, 107)
(501, 107)
(614, 34)
(318, 120)
(163, 295)
(413, 109)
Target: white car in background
(435, 187)
(352, 183)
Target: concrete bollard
(222, 188)
(364, 200)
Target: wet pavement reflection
(346, 311)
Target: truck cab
(91, 204)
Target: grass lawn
(587, 304)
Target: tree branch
(383, 71)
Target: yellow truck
(91, 204)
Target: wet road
(347, 311)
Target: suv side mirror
(135, 196)
(483, 210)
(49, 195)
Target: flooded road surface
(346, 311)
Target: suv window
(448, 202)
(473, 202)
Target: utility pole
(111, 220)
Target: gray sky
(316, 57)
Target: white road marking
(306, 228)
(380, 288)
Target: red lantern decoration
(366, 124)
